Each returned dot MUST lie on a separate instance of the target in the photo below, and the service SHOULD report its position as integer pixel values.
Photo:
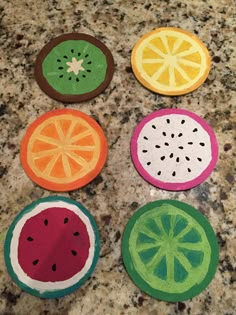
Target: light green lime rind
(170, 250)
(55, 293)
(94, 61)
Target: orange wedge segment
(63, 150)
(170, 61)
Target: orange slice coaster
(63, 150)
(170, 61)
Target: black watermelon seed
(72, 50)
(79, 54)
(177, 159)
(86, 56)
(202, 144)
(199, 159)
(69, 78)
(58, 60)
(30, 239)
(157, 146)
(173, 174)
(171, 155)
(168, 121)
(181, 148)
(76, 234)
(77, 79)
(145, 138)
(61, 76)
(89, 63)
(189, 170)
(74, 253)
(46, 222)
(167, 144)
(65, 57)
(190, 143)
(148, 163)
(66, 220)
(164, 134)
(84, 76)
(187, 158)
(154, 127)
(163, 158)
(54, 267)
(180, 135)
(195, 130)
(60, 68)
(159, 173)
(88, 70)
(35, 262)
(172, 135)
(182, 122)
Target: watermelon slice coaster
(52, 247)
(174, 149)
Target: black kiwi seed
(60, 68)
(84, 76)
(72, 50)
(79, 54)
(88, 70)
(61, 76)
(89, 63)
(77, 79)
(58, 60)
(69, 78)
(65, 57)
(86, 56)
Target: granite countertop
(26, 25)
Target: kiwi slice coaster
(74, 67)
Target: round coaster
(63, 150)
(52, 247)
(74, 67)
(170, 61)
(170, 250)
(174, 149)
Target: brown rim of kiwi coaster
(70, 98)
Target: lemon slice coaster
(170, 61)
(170, 250)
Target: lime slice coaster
(52, 247)
(170, 250)
(174, 149)
(74, 67)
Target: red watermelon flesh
(53, 245)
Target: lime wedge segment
(170, 250)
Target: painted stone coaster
(174, 149)
(52, 247)
(170, 250)
(74, 67)
(63, 150)
(170, 61)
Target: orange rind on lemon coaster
(170, 61)
(63, 150)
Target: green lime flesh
(170, 250)
(93, 61)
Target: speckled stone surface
(119, 191)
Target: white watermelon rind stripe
(59, 288)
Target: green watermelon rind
(55, 293)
